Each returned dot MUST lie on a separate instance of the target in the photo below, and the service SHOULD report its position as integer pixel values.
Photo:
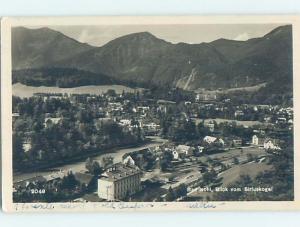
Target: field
(252, 169)
(24, 91)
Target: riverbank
(84, 156)
(78, 164)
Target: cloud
(242, 37)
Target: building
(271, 144)
(205, 97)
(200, 149)
(257, 141)
(185, 151)
(51, 121)
(119, 181)
(128, 161)
(29, 182)
(209, 139)
(125, 122)
(175, 154)
(281, 120)
(238, 113)
(34, 181)
(237, 142)
(26, 146)
(15, 115)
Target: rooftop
(119, 171)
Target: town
(141, 146)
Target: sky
(191, 33)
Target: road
(80, 165)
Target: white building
(184, 150)
(257, 141)
(238, 113)
(212, 139)
(52, 120)
(200, 149)
(209, 139)
(175, 154)
(119, 181)
(129, 161)
(270, 144)
(125, 122)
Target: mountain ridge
(143, 59)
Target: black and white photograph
(164, 113)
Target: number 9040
(38, 191)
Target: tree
(171, 195)
(107, 161)
(93, 167)
(181, 191)
(209, 177)
(111, 92)
(202, 130)
(165, 162)
(69, 182)
(18, 151)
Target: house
(125, 122)
(119, 181)
(212, 139)
(29, 182)
(129, 161)
(209, 139)
(238, 113)
(26, 146)
(271, 144)
(51, 120)
(185, 151)
(200, 149)
(236, 142)
(152, 125)
(281, 120)
(205, 97)
(15, 115)
(257, 140)
(175, 154)
(143, 109)
(55, 176)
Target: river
(80, 165)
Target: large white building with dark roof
(119, 181)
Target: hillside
(34, 48)
(145, 60)
(60, 77)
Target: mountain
(128, 58)
(32, 48)
(143, 59)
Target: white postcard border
(6, 116)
